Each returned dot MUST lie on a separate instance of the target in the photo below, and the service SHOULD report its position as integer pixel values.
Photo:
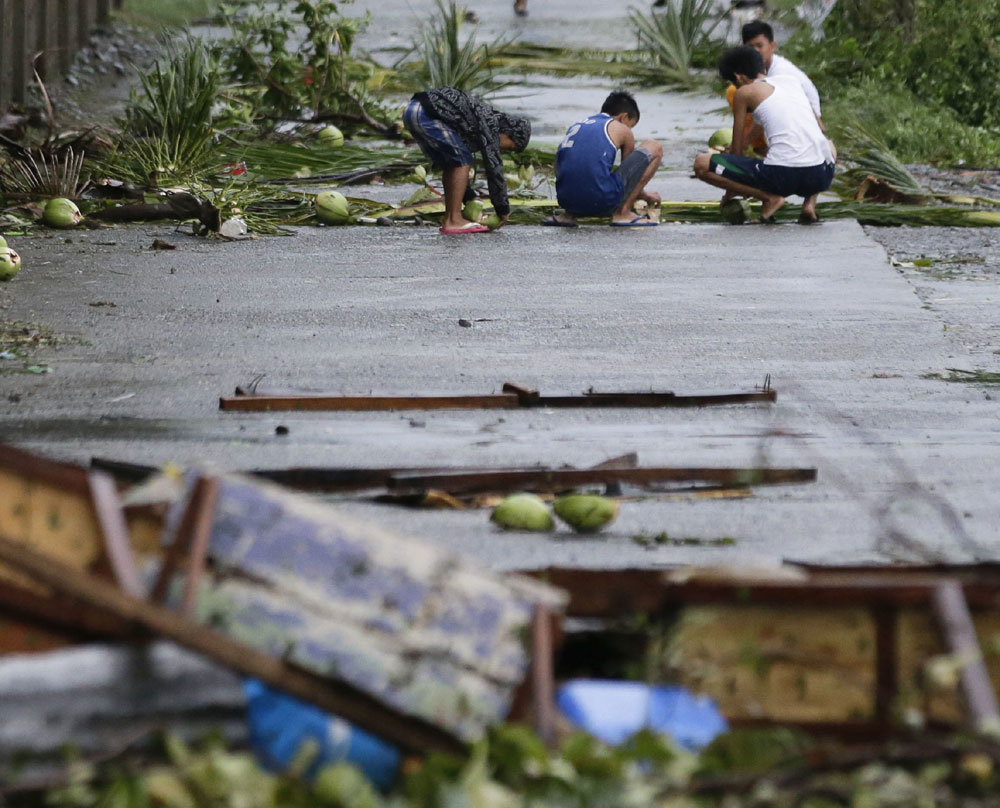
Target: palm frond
(674, 34)
(448, 59)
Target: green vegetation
(512, 768)
(674, 35)
(449, 59)
(157, 14)
(924, 83)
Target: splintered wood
(412, 625)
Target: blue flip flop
(552, 221)
(638, 221)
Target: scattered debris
(253, 399)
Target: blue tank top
(585, 183)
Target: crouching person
(450, 126)
(799, 160)
(587, 185)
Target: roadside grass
(156, 14)
(915, 131)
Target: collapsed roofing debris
(428, 650)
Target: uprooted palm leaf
(45, 174)
(878, 173)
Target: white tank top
(793, 135)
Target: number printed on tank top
(568, 140)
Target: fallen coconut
(473, 210)
(735, 211)
(492, 221)
(523, 512)
(61, 213)
(10, 263)
(586, 513)
(721, 139)
(332, 208)
(3, 242)
(331, 136)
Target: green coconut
(586, 513)
(492, 221)
(735, 211)
(3, 242)
(523, 512)
(721, 139)
(983, 218)
(420, 173)
(61, 213)
(332, 208)
(473, 210)
(10, 263)
(331, 136)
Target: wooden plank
(616, 593)
(346, 701)
(365, 403)
(117, 543)
(543, 689)
(258, 402)
(15, 52)
(201, 531)
(6, 46)
(566, 479)
(953, 615)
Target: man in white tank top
(800, 159)
(760, 36)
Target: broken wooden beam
(952, 613)
(250, 399)
(410, 734)
(458, 482)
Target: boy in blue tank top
(587, 185)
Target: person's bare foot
(770, 206)
(457, 224)
(808, 214)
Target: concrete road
(906, 463)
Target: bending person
(450, 126)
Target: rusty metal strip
(260, 403)
(566, 479)
(952, 613)
(411, 734)
(201, 531)
(114, 529)
(513, 397)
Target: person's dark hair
(754, 29)
(741, 59)
(621, 101)
(516, 128)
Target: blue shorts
(778, 180)
(441, 144)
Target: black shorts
(771, 179)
